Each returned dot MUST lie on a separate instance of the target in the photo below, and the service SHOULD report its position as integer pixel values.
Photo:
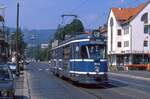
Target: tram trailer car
(81, 59)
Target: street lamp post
(17, 41)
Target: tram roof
(81, 37)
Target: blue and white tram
(81, 59)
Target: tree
(69, 29)
(41, 54)
(21, 43)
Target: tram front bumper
(90, 78)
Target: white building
(129, 35)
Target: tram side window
(83, 52)
(66, 52)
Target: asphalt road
(44, 85)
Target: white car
(12, 66)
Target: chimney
(120, 8)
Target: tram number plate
(96, 64)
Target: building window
(145, 43)
(119, 32)
(144, 18)
(126, 30)
(126, 43)
(147, 29)
(111, 22)
(119, 44)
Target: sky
(46, 14)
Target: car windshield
(4, 73)
(93, 51)
(12, 64)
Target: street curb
(130, 76)
(26, 86)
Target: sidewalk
(22, 90)
(140, 75)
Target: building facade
(3, 38)
(129, 35)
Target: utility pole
(17, 42)
(33, 47)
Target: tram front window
(93, 51)
(83, 52)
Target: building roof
(125, 14)
(103, 29)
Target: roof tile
(124, 14)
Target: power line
(79, 6)
(75, 9)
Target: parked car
(12, 66)
(7, 82)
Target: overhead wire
(79, 6)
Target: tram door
(66, 57)
(75, 55)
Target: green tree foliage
(42, 54)
(21, 43)
(69, 29)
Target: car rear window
(4, 73)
